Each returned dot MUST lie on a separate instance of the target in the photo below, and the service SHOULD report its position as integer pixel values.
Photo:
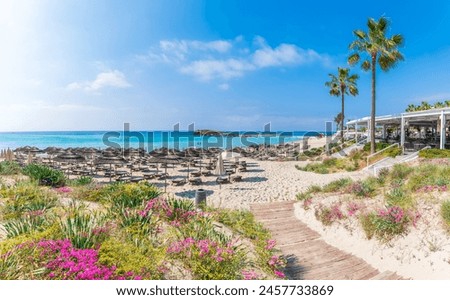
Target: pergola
(437, 119)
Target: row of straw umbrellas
(116, 157)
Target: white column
(443, 127)
(402, 134)
(356, 132)
(384, 131)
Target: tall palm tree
(340, 85)
(378, 50)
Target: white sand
(265, 181)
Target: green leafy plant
(83, 180)
(337, 185)
(83, 229)
(399, 197)
(9, 168)
(45, 175)
(434, 153)
(26, 224)
(25, 197)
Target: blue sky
(230, 65)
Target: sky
(225, 65)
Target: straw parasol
(109, 158)
(69, 157)
(167, 159)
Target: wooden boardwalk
(308, 256)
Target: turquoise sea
(147, 139)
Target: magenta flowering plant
(386, 223)
(58, 259)
(208, 259)
(353, 208)
(250, 275)
(432, 188)
(328, 215)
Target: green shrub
(314, 167)
(383, 174)
(26, 224)
(303, 196)
(399, 197)
(337, 185)
(25, 197)
(202, 228)
(429, 175)
(328, 215)
(127, 257)
(51, 232)
(120, 194)
(445, 212)
(84, 229)
(243, 223)
(368, 224)
(434, 153)
(9, 168)
(401, 171)
(314, 189)
(83, 180)
(378, 146)
(45, 175)
(386, 224)
(365, 188)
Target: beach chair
(179, 181)
(195, 181)
(236, 178)
(223, 179)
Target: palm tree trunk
(343, 117)
(372, 115)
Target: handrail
(403, 160)
(382, 150)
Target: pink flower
(279, 274)
(270, 244)
(250, 275)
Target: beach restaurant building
(412, 130)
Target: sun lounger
(222, 179)
(179, 181)
(236, 178)
(195, 181)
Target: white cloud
(224, 86)
(211, 69)
(113, 78)
(224, 59)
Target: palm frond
(366, 65)
(353, 59)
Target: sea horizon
(156, 139)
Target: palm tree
(340, 85)
(438, 105)
(338, 119)
(411, 108)
(447, 103)
(379, 50)
(425, 105)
